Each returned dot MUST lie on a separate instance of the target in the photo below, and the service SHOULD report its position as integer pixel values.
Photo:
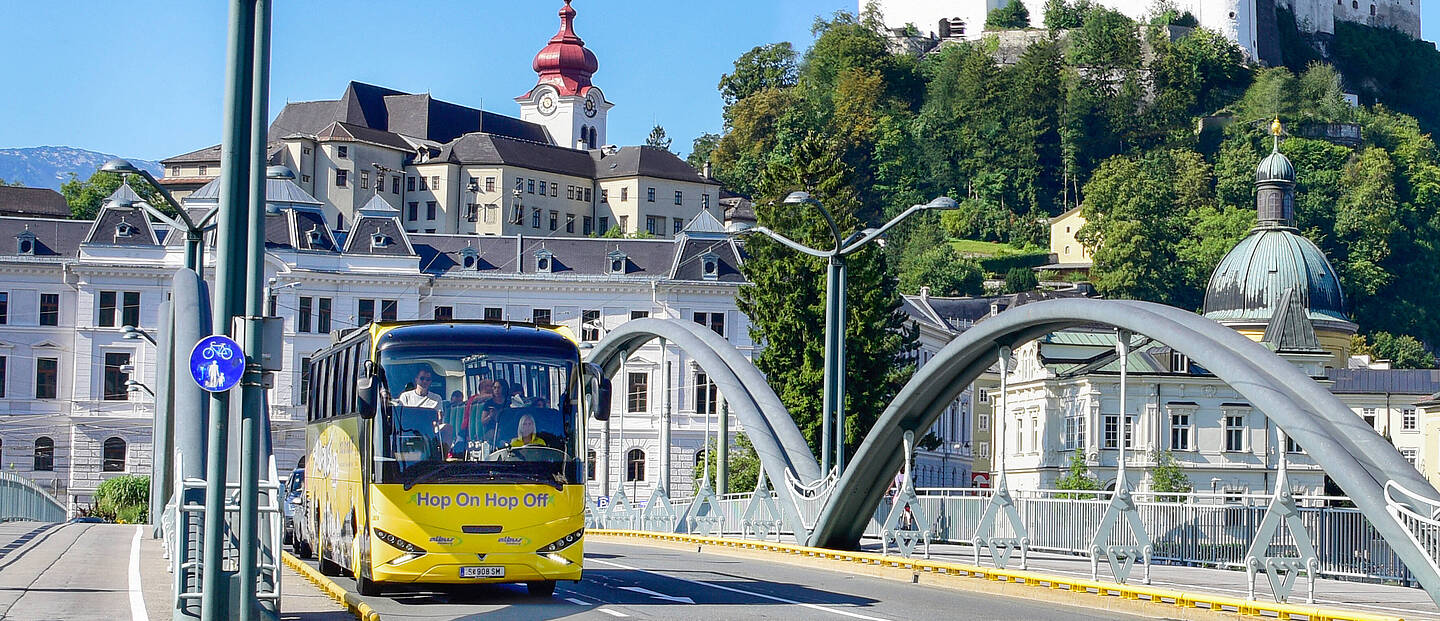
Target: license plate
(489, 571)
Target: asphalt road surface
(636, 581)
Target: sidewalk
(1410, 603)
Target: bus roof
(499, 333)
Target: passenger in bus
(478, 424)
(526, 429)
(421, 397)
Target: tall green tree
(942, 270)
(1403, 351)
(1011, 16)
(1168, 477)
(700, 150)
(657, 138)
(1063, 15)
(1077, 477)
(86, 197)
(762, 68)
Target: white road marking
(612, 612)
(782, 600)
(577, 602)
(137, 600)
(668, 598)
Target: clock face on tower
(547, 104)
(590, 106)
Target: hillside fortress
(1249, 23)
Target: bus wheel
(369, 588)
(541, 588)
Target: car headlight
(398, 543)
(562, 543)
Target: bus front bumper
(447, 568)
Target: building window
(590, 465)
(554, 220)
(638, 393)
(493, 313)
(489, 184)
(114, 455)
(1180, 431)
(444, 313)
(365, 180)
(342, 177)
(587, 225)
(588, 195)
(175, 170)
(302, 316)
(414, 211)
(394, 184)
(590, 325)
(655, 225)
(604, 225)
(983, 423)
(5, 308)
(604, 195)
(1369, 415)
(1234, 432)
(715, 321)
(3, 366)
(424, 184)
(540, 316)
(342, 151)
(1291, 446)
(115, 376)
(650, 195)
(202, 170)
(322, 317)
(569, 223)
(635, 465)
(530, 186)
(47, 378)
(410, 184)
(44, 455)
(535, 218)
(624, 194)
(570, 192)
(435, 182)
(304, 389)
(1111, 435)
(679, 197)
(707, 395)
(430, 210)
(1074, 431)
(635, 314)
(1408, 454)
(704, 201)
(984, 395)
(107, 309)
(365, 312)
(679, 225)
(389, 310)
(130, 309)
(1408, 421)
(554, 190)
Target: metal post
(252, 388)
(1123, 348)
(665, 424)
(624, 405)
(842, 309)
(163, 429)
(827, 407)
(998, 476)
(706, 443)
(722, 450)
(230, 281)
(191, 416)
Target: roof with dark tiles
(482, 148)
(121, 227)
(378, 236)
(53, 237)
(645, 161)
(34, 202)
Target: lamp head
(119, 167)
(736, 227)
(129, 332)
(942, 202)
(796, 198)
(279, 172)
(472, 187)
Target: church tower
(563, 100)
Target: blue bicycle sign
(217, 363)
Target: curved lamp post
(194, 231)
(832, 442)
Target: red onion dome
(565, 63)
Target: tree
(123, 499)
(941, 269)
(762, 68)
(701, 149)
(1062, 15)
(1009, 17)
(1168, 476)
(1077, 477)
(744, 465)
(657, 138)
(86, 197)
(1403, 351)
(1020, 279)
(16, 184)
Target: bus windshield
(479, 413)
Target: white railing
(1418, 515)
(22, 499)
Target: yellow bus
(449, 452)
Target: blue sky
(145, 78)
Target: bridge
(807, 529)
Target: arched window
(700, 458)
(584, 136)
(114, 455)
(635, 465)
(590, 465)
(594, 142)
(44, 455)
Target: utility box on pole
(272, 335)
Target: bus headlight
(561, 543)
(398, 543)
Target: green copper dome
(1275, 167)
(1250, 280)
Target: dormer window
(25, 243)
(710, 266)
(544, 261)
(469, 257)
(379, 240)
(618, 262)
(124, 229)
(313, 235)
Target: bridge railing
(1198, 528)
(21, 499)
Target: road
(623, 580)
(54, 571)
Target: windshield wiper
(432, 474)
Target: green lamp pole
(832, 440)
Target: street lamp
(132, 333)
(272, 285)
(833, 407)
(194, 232)
(134, 386)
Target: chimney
(706, 172)
(925, 294)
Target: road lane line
(577, 602)
(612, 612)
(742, 591)
(137, 600)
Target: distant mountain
(48, 167)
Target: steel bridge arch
(777, 440)
(1354, 455)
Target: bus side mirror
(365, 390)
(602, 409)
